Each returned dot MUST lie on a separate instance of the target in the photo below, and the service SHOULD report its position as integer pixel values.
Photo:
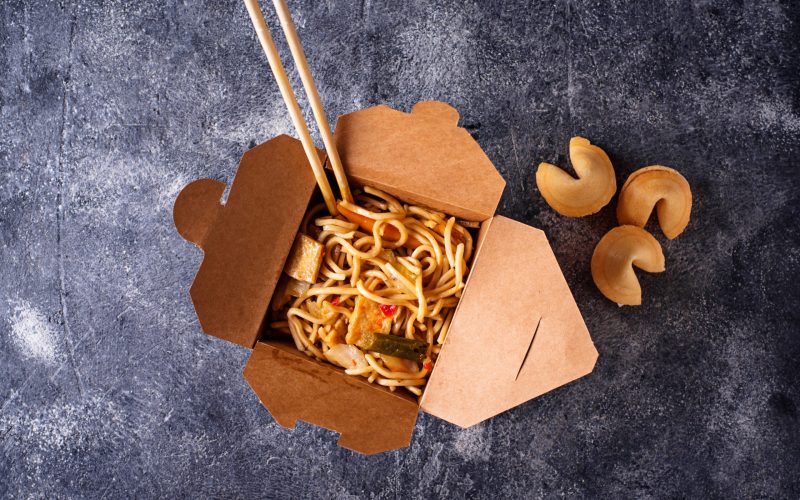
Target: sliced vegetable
(286, 289)
(391, 258)
(335, 300)
(399, 364)
(393, 345)
(346, 356)
(305, 259)
(296, 288)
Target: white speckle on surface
(778, 114)
(473, 443)
(62, 427)
(32, 334)
(258, 125)
(171, 191)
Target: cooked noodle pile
(416, 280)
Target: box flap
(293, 387)
(517, 332)
(421, 157)
(245, 240)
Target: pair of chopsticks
(289, 98)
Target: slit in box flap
(422, 157)
(293, 387)
(517, 332)
(246, 240)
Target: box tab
(294, 387)
(245, 240)
(421, 157)
(517, 332)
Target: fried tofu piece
(367, 318)
(305, 259)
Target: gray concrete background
(107, 108)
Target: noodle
(418, 275)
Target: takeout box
(516, 333)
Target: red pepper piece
(388, 310)
(335, 301)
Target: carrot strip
(389, 232)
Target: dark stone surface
(107, 108)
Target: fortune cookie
(613, 260)
(660, 187)
(587, 194)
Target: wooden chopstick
(262, 31)
(310, 87)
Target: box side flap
(246, 240)
(422, 157)
(196, 209)
(294, 387)
(517, 332)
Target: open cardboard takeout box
(517, 332)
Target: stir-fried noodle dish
(373, 289)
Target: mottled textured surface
(107, 108)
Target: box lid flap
(292, 386)
(245, 240)
(421, 157)
(517, 332)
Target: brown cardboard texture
(422, 157)
(245, 241)
(295, 387)
(516, 333)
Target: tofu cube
(305, 259)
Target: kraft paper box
(516, 333)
